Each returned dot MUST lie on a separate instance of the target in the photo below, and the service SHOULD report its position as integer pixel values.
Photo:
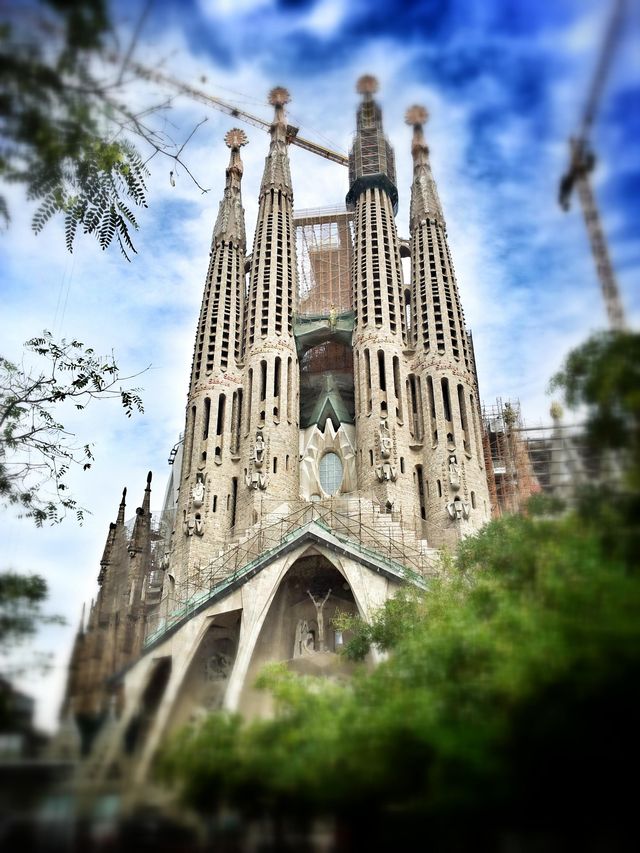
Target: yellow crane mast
(582, 163)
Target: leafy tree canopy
(36, 451)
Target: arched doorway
(299, 627)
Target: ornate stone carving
(304, 643)
(197, 493)
(454, 473)
(319, 605)
(256, 480)
(257, 452)
(458, 509)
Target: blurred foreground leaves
(507, 702)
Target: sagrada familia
(332, 447)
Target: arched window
(330, 471)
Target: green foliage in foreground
(507, 699)
(493, 672)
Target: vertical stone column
(269, 429)
(382, 434)
(451, 481)
(207, 505)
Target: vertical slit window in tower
(214, 506)
(289, 388)
(356, 383)
(205, 418)
(474, 415)
(192, 432)
(233, 444)
(416, 405)
(367, 379)
(381, 371)
(408, 319)
(276, 377)
(439, 484)
(473, 500)
(286, 462)
(275, 464)
(432, 410)
(464, 421)
(402, 464)
(419, 409)
(397, 387)
(249, 399)
(234, 501)
(263, 390)
(222, 401)
(371, 458)
(423, 290)
(446, 399)
(420, 484)
(410, 408)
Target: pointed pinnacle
(416, 115)
(121, 508)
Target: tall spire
(445, 392)
(229, 225)
(371, 159)
(277, 174)
(269, 444)
(425, 202)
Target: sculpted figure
(257, 455)
(319, 605)
(454, 473)
(198, 525)
(385, 440)
(197, 493)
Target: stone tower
(207, 504)
(327, 453)
(454, 498)
(382, 418)
(269, 442)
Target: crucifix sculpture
(319, 605)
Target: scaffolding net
(325, 246)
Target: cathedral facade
(332, 446)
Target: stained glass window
(330, 470)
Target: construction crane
(581, 164)
(230, 109)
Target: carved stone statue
(454, 473)
(198, 525)
(256, 480)
(197, 493)
(188, 524)
(304, 643)
(385, 440)
(386, 471)
(319, 605)
(257, 454)
(458, 509)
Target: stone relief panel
(314, 444)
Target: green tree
(505, 709)
(66, 130)
(36, 451)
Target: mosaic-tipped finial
(367, 85)
(416, 115)
(235, 138)
(556, 411)
(279, 96)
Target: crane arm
(236, 112)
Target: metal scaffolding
(325, 248)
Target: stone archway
(298, 628)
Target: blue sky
(504, 81)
